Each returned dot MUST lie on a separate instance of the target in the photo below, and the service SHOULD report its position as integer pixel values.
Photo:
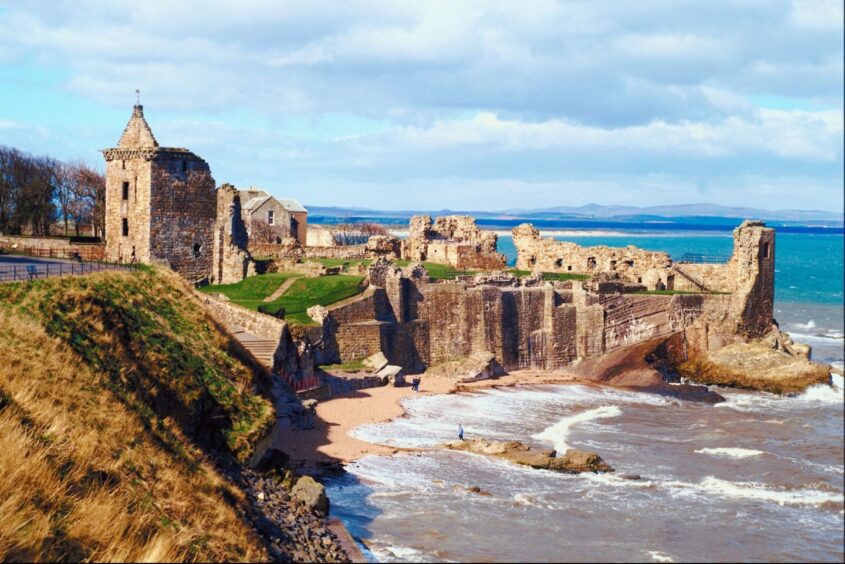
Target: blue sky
(477, 105)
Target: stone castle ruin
(417, 323)
(748, 276)
(454, 240)
(163, 207)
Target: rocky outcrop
(573, 460)
(756, 366)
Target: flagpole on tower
(137, 97)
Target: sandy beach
(329, 440)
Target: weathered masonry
(162, 208)
(417, 323)
(749, 272)
(160, 203)
(455, 240)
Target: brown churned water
(759, 477)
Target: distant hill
(688, 214)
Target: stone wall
(183, 213)
(634, 265)
(60, 247)
(231, 262)
(416, 323)
(454, 240)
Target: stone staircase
(284, 287)
(262, 349)
(691, 277)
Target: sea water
(759, 477)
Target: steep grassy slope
(112, 389)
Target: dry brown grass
(84, 477)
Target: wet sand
(329, 440)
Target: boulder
(573, 461)
(311, 494)
(482, 366)
(392, 374)
(375, 362)
(756, 366)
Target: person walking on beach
(415, 384)
(460, 432)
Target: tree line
(39, 191)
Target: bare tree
(356, 233)
(262, 232)
(88, 201)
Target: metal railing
(698, 259)
(25, 272)
(303, 383)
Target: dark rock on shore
(573, 460)
(288, 512)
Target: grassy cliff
(113, 389)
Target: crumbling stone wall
(548, 326)
(634, 265)
(454, 240)
(231, 262)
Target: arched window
(197, 248)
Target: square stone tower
(160, 203)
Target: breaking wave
(557, 433)
(730, 452)
(756, 491)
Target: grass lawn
(252, 288)
(304, 293)
(307, 292)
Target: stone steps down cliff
(262, 349)
(691, 277)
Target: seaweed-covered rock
(573, 460)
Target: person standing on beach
(460, 432)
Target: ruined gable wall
(183, 209)
(753, 264)
(539, 254)
(230, 260)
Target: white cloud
(790, 134)
(817, 14)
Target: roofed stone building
(286, 216)
(162, 208)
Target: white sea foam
(730, 452)
(658, 556)
(755, 491)
(806, 326)
(531, 501)
(400, 554)
(557, 433)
